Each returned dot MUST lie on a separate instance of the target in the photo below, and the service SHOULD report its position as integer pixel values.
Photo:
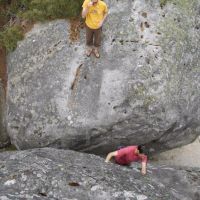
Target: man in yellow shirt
(95, 12)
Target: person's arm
(144, 163)
(110, 155)
(144, 168)
(86, 9)
(104, 16)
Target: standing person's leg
(97, 41)
(89, 40)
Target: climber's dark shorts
(93, 36)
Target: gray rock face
(62, 174)
(4, 138)
(143, 90)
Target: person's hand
(143, 172)
(106, 161)
(90, 4)
(100, 24)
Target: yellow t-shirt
(95, 14)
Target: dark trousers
(93, 36)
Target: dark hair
(120, 147)
(140, 149)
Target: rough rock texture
(4, 138)
(145, 88)
(62, 174)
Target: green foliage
(163, 2)
(40, 10)
(3, 2)
(33, 10)
(10, 36)
(3, 16)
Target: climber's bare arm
(110, 155)
(144, 168)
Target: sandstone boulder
(143, 90)
(65, 175)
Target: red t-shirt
(127, 155)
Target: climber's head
(140, 149)
(94, 2)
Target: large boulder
(65, 175)
(143, 90)
(4, 138)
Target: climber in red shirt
(126, 155)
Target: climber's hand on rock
(143, 172)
